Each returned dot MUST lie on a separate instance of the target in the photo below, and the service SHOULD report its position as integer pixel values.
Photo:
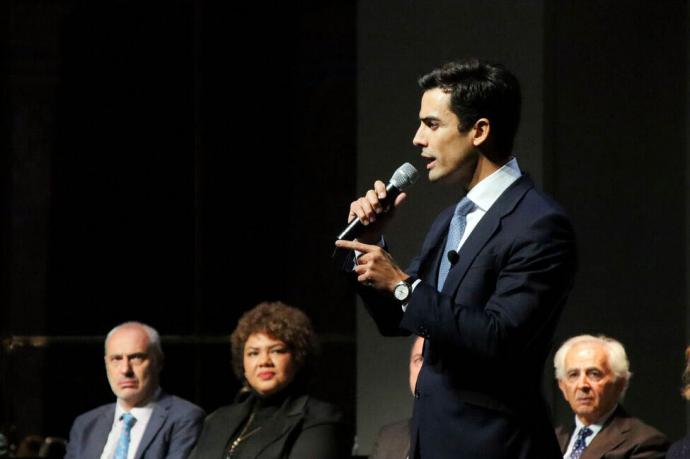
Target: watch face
(401, 292)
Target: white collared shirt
(142, 415)
(595, 428)
(485, 194)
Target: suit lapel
(160, 412)
(227, 423)
(611, 436)
(484, 230)
(101, 429)
(432, 248)
(563, 436)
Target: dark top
(290, 425)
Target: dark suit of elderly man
(489, 284)
(145, 422)
(593, 374)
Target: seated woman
(681, 448)
(273, 415)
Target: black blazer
(303, 427)
(489, 331)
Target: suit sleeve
(74, 441)
(533, 274)
(185, 434)
(385, 310)
(654, 446)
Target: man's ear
(480, 131)
(562, 386)
(620, 385)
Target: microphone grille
(404, 176)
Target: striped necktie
(455, 232)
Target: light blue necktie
(455, 232)
(123, 442)
(580, 443)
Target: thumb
(400, 199)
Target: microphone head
(404, 176)
(453, 257)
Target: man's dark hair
(480, 89)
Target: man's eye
(252, 353)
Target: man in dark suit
(393, 440)
(593, 374)
(489, 284)
(145, 422)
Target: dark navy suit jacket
(171, 433)
(489, 331)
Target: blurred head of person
(273, 347)
(685, 390)
(416, 360)
(133, 362)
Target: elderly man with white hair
(593, 374)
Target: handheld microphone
(453, 257)
(402, 178)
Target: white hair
(617, 358)
(152, 333)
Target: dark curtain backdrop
(176, 163)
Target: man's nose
(418, 139)
(126, 367)
(583, 383)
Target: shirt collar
(485, 193)
(595, 426)
(138, 410)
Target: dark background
(177, 162)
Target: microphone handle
(356, 227)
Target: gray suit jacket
(623, 436)
(393, 441)
(171, 433)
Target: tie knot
(464, 207)
(128, 421)
(585, 432)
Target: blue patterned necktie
(580, 444)
(455, 232)
(123, 442)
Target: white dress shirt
(142, 415)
